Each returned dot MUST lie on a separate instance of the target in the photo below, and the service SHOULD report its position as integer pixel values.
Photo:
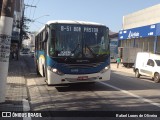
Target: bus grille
(89, 65)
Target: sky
(107, 12)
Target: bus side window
(53, 33)
(38, 42)
(42, 40)
(52, 42)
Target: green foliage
(25, 27)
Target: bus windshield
(83, 43)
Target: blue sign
(158, 29)
(138, 32)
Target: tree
(24, 29)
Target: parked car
(25, 51)
(147, 64)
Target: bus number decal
(65, 53)
(67, 28)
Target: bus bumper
(54, 78)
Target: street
(123, 92)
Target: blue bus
(73, 51)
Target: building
(29, 43)
(141, 29)
(17, 21)
(144, 17)
(114, 47)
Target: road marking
(131, 94)
(146, 79)
(26, 107)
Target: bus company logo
(74, 70)
(133, 34)
(6, 114)
(153, 26)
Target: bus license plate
(82, 78)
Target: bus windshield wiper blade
(76, 48)
(93, 53)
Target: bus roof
(70, 22)
(74, 22)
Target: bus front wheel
(37, 71)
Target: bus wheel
(44, 72)
(156, 78)
(137, 75)
(37, 70)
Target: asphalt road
(123, 92)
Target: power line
(30, 5)
(32, 2)
(35, 8)
(34, 12)
(22, 23)
(37, 2)
(28, 2)
(31, 12)
(31, 9)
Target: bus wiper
(93, 53)
(79, 52)
(76, 48)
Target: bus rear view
(73, 51)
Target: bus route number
(70, 28)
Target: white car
(147, 64)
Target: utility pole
(6, 23)
(22, 24)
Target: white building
(142, 17)
(29, 43)
(141, 29)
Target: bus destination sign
(68, 28)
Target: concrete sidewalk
(17, 94)
(121, 68)
(16, 89)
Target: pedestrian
(12, 56)
(14, 52)
(118, 61)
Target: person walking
(118, 61)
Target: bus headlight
(105, 69)
(54, 70)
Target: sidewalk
(121, 68)
(16, 90)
